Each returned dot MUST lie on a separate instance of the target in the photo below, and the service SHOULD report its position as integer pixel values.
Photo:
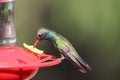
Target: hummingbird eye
(39, 35)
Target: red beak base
(36, 42)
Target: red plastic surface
(6, 0)
(18, 63)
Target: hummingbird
(63, 47)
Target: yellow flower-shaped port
(31, 48)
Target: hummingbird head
(42, 34)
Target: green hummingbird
(63, 47)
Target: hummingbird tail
(79, 63)
(82, 65)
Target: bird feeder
(17, 63)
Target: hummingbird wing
(69, 53)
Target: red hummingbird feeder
(17, 63)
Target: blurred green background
(92, 26)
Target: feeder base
(17, 74)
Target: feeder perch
(17, 63)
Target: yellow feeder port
(31, 48)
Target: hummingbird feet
(62, 57)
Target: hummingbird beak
(36, 42)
